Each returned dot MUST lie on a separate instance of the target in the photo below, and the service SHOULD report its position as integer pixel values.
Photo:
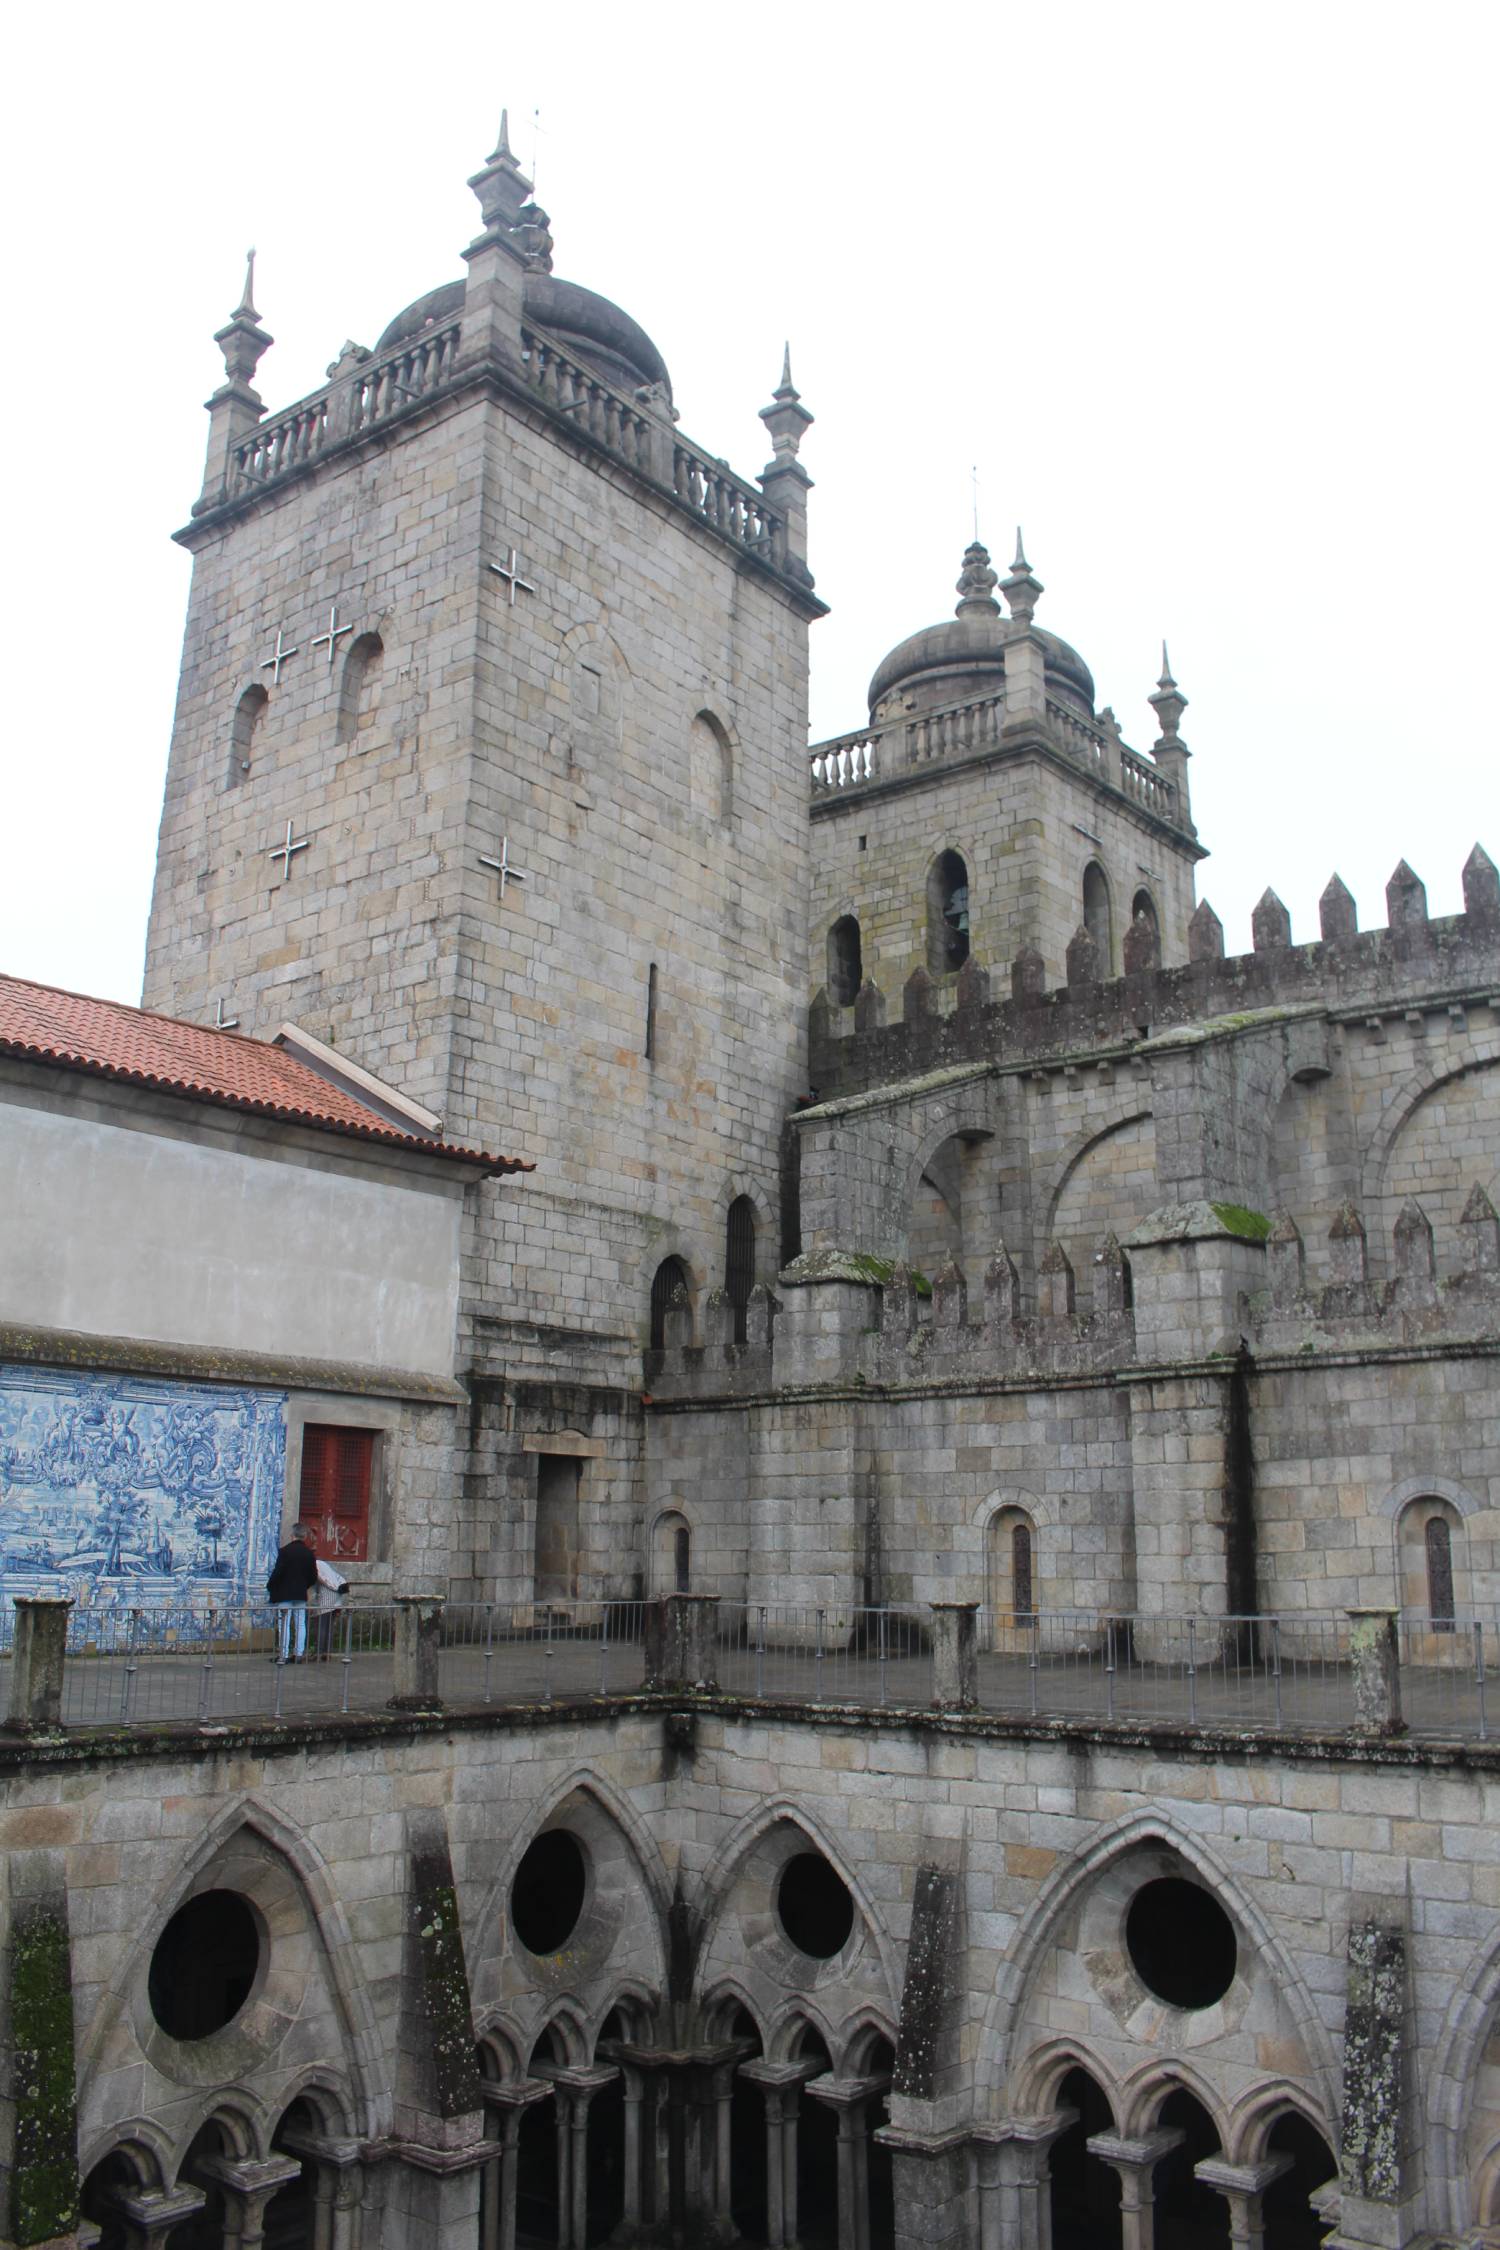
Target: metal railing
(1293, 1673)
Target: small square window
(337, 1479)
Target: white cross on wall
(278, 656)
(286, 850)
(334, 634)
(502, 866)
(510, 571)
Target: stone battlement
(1414, 962)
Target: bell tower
(488, 771)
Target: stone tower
(488, 772)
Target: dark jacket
(293, 1573)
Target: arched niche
(359, 691)
(710, 767)
(1097, 915)
(248, 713)
(845, 965)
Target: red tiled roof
(42, 1024)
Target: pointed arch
(1253, 2116)
(1453, 2078)
(726, 1995)
(312, 1878)
(865, 2026)
(722, 1872)
(140, 2144)
(1067, 1885)
(790, 2024)
(1145, 2088)
(1035, 2091)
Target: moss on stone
(44, 2181)
(1238, 1219)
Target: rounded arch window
(1097, 919)
(359, 689)
(739, 1261)
(712, 770)
(664, 1284)
(204, 1965)
(846, 968)
(1431, 1552)
(947, 914)
(547, 1894)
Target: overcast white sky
(1206, 292)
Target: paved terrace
(1315, 1673)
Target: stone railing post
(419, 1640)
(1375, 1658)
(36, 1672)
(955, 1674)
(682, 1650)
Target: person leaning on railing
(293, 1576)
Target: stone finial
(869, 1007)
(976, 584)
(1082, 960)
(1110, 1278)
(820, 1018)
(1002, 1289)
(1348, 1253)
(1482, 1232)
(532, 235)
(761, 1309)
(1205, 934)
(1286, 1259)
(1481, 884)
(1142, 947)
(1413, 1238)
(1270, 924)
(1028, 977)
(973, 987)
(1406, 899)
(786, 418)
(1338, 917)
(1022, 588)
(898, 1303)
(242, 340)
(1056, 1287)
(950, 1295)
(916, 996)
(501, 186)
(1168, 703)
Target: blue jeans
(291, 1630)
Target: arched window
(947, 914)
(711, 780)
(739, 1260)
(1438, 1540)
(359, 690)
(1096, 914)
(846, 969)
(247, 717)
(1011, 1541)
(1020, 1568)
(1144, 904)
(663, 1283)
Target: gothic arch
(310, 1877)
(631, 1997)
(1079, 1153)
(1081, 1224)
(141, 2145)
(1147, 2086)
(864, 2028)
(1035, 2089)
(615, 1814)
(567, 2018)
(1453, 2078)
(718, 2004)
(598, 675)
(722, 1872)
(791, 2022)
(500, 2046)
(1067, 1885)
(245, 2121)
(1252, 2117)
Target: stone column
(507, 2101)
(150, 2217)
(36, 1670)
(779, 2084)
(574, 2091)
(419, 1639)
(723, 2085)
(1376, 1659)
(954, 1670)
(336, 2187)
(850, 2099)
(248, 2187)
(1135, 2163)
(1242, 2186)
(1015, 2181)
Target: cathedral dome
(605, 338)
(965, 655)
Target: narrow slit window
(651, 1013)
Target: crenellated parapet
(1417, 1304)
(1414, 962)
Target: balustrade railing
(376, 392)
(386, 387)
(955, 731)
(570, 388)
(1148, 787)
(735, 508)
(274, 449)
(844, 763)
(1081, 740)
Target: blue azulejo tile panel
(121, 1492)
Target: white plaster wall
(119, 1232)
